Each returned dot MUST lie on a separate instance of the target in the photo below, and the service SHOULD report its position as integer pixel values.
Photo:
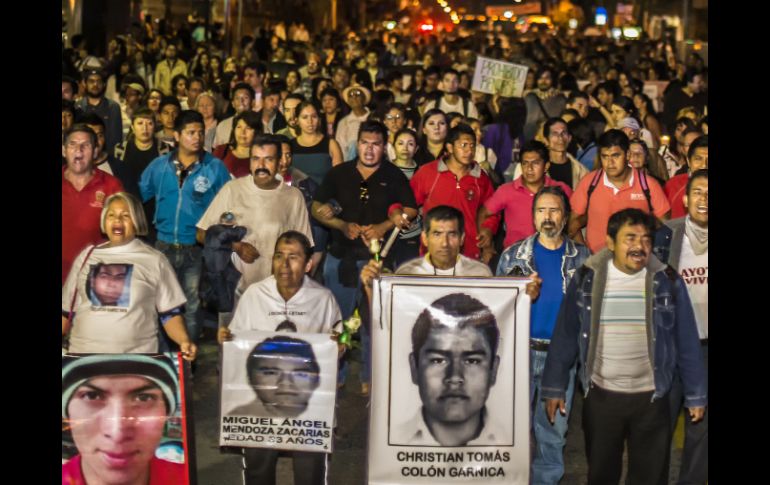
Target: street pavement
(348, 464)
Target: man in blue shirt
(183, 183)
(553, 257)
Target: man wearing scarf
(683, 243)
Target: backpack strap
(592, 187)
(646, 189)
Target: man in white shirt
(450, 101)
(265, 206)
(683, 244)
(289, 294)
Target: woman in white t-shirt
(116, 291)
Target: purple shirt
(516, 200)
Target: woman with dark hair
(199, 67)
(381, 101)
(506, 135)
(640, 158)
(115, 81)
(317, 85)
(331, 108)
(237, 153)
(293, 81)
(179, 89)
(313, 153)
(152, 101)
(434, 128)
(647, 115)
(215, 76)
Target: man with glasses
(459, 182)
(611, 188)
(361, 201)
(563, 167)
(242, 99)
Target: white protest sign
(450, 383)
(278, 391)
(499, 77)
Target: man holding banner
(289, 294)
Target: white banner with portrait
(278, 391)
(450, 383)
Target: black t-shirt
(561, 172)
(344, 183)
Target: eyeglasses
(356, 94)
(393, 117)
(363, 192)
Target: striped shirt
(622, 359)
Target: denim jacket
(668, 242)
(672, 335)
(178, 209)
(519, 259)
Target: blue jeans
(548, 461)
(187, 264)
(347, 298)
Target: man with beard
(628, 321)
(265, 207)
(614, 186)
(542, 103)
(683, 243)
(553, 257)
(515, 198)
(272, 119)
(109, 111)
(291, 130)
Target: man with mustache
(614, 186)
(684, 244)
(551, 257)
(628, 320)
(454, 364)
(266, 207)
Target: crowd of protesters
(345, 136)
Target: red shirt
(433, 184)
(675, 189)
(238, 167)
(81, 215)
(516, 200)
(605, 202)
(162, 472)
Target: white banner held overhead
(278, 391)
(499, 77)
(450, 383)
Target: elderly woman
(206, 105)
(116, 291)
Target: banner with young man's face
(124, 419)
(278, 391)
(450, 383)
